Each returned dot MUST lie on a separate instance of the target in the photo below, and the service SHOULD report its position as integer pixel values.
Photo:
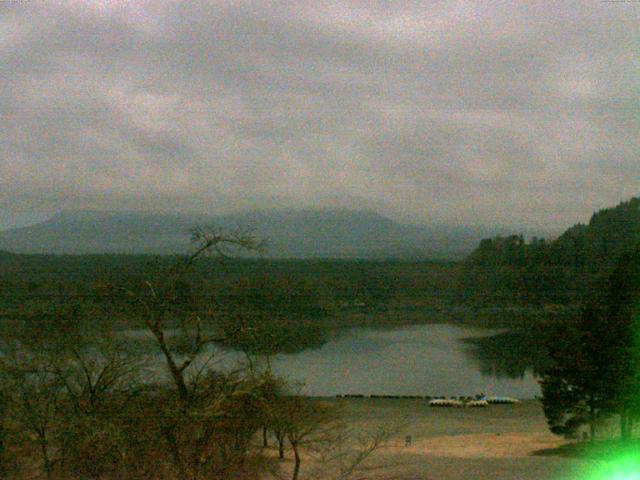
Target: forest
(506, 270)
(588, 359)
(75, 386)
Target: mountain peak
(299, 233)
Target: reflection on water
(509, 354)
(413, 360)
(431, 359)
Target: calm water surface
(426, 359)
(413, 360)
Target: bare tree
(343, 452)
(337, 450)
(305, 424)
(277, 421)
(199, 401)
(158, 301)
(94, 370)
(35, 393)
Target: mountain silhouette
(310, 233)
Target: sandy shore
(494, 443)
(481, 445)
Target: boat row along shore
(477, 401)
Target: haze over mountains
(311, 233)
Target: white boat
(477, 403)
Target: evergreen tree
(623, 305)
(576, 389)
(596, 363)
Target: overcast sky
(512, 113)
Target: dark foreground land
(498, 442)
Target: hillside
(290, 233)
(508, 269)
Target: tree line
(506, 270)
(311, 289)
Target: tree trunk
(3, 434)
(176, 373)
(265, 443)
(280, 438)
(46, 462)
(624, 425)
(2, 451)
(281, 448)
(592, 420)
(170, 436)
(296, 466)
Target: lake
(413, 360)
(427, 359)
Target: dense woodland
(71, 385)
(506, 270)
(308, 288)
(588, 360)
(594, 361)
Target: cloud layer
(512, 113)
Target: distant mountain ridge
(331, 233)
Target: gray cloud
(516, 113)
